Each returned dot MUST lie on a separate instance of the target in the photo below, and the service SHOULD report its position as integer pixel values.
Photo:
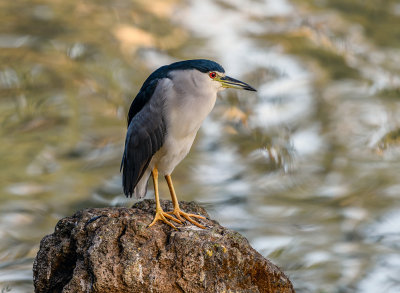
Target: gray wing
(145, 136)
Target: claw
(161, 216)
(178, 213)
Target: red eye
(213, 74)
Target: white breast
(187, 106)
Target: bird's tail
(134, 181)
(141, 188)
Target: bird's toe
(162, 216)
(181, 215)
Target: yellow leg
(160, 214)
(177, 211)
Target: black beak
(229, 82)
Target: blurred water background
(307, 169)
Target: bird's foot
(162, 216)
(178, 213)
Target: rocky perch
(113, 250)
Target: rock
(113, 250)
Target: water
(307, 169)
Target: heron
(163, 121)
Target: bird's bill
(229, 82)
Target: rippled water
(307, 169)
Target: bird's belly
(172, 153)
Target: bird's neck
(188, 112)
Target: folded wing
(145, 135)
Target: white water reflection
(384, 277)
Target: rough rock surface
(113, 250)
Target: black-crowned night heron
(162, 123)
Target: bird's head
(228, 82)
(207, 73)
